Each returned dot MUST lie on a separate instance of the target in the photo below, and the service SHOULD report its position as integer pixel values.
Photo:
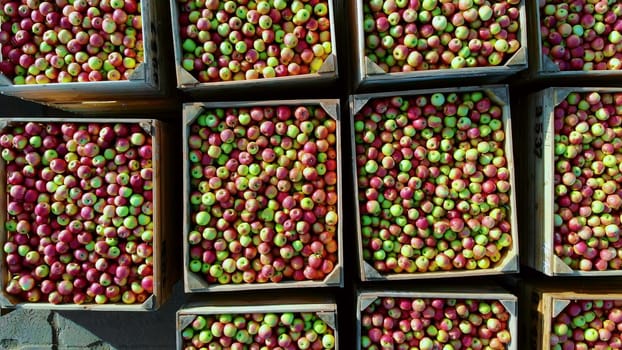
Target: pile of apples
(416, 35)
(242, 40)
(263, 199)
(65, 41)
(435, 323)
(434, 182)
(79, 212)
(582, 35)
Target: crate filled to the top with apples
(262, 186)
(439, 318)
(231, 44)
(575, 39)
(575, 153)
(81, 215)
(416, 40)
(58, 52)
(434, 175)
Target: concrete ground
(33, 330)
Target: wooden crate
(368, 296)
(194, 283)
(186, 82)
(542, 67)
(324, 308)
(540, 254)
(368, 76)
(150, 80)
(508, 263)
(164, 245)
(547, 299)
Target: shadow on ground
(119, 330)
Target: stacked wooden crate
(100, 262)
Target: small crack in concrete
(8, 344)
(52, 322)
(97, 345)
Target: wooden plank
(263, 308)
(169, 242)
(481, 294)
(150, 81)
(510, 262)
(194, 283)
(369, 76)
(121, 107)
(164, 273)
(5, 301)
(540, 120)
